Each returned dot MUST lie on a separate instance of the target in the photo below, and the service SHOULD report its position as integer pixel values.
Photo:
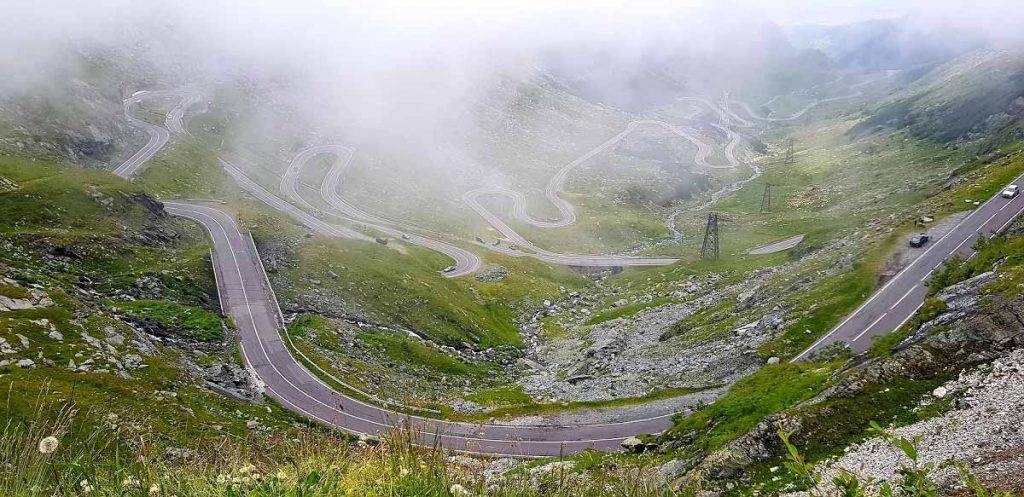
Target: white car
(1010, 191)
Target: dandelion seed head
(458, 490)
(48, 445)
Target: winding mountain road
(465, 262)
(247, 298)
(158, 135)
(567, 212)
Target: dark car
(919, 240)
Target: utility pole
(710, 248)
(789, 158)
(724, 118)
(766, 198)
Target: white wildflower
(154, 489)
(86, 487)
(48, 445)
(458, 490)
(281, 475)
(130, 481)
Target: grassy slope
(953, 99)
(394, 286)
(85, 213)
(770, 391)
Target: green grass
(406, 289)
(188, 168)
(500, 396)
(824, 305)
(97, 460)
(14, 291)
(627, 310)
(90, 217)
(1007, 251)
(411, 351)
(770, 390)
(836, 423)
(884, 345)
(531, 408)
(400, 289)
(197, 323)
(706, 324)
(90, 220)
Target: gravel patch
(985, 431)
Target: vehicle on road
(919, 240)
(1010, 191)
(448, 269)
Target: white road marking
(1012, 218)
(872, 325)
(970, 216)
(909, 316)
(197, 211)
(904, 296)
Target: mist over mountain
(885, 43)
(458, 248)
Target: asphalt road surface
(307, 219)
(894, 304)
(465, 262)
(158, 135)
(778, 246)
(567, 213)
(247, 298)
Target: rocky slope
(979, 326)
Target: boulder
(673, 468)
